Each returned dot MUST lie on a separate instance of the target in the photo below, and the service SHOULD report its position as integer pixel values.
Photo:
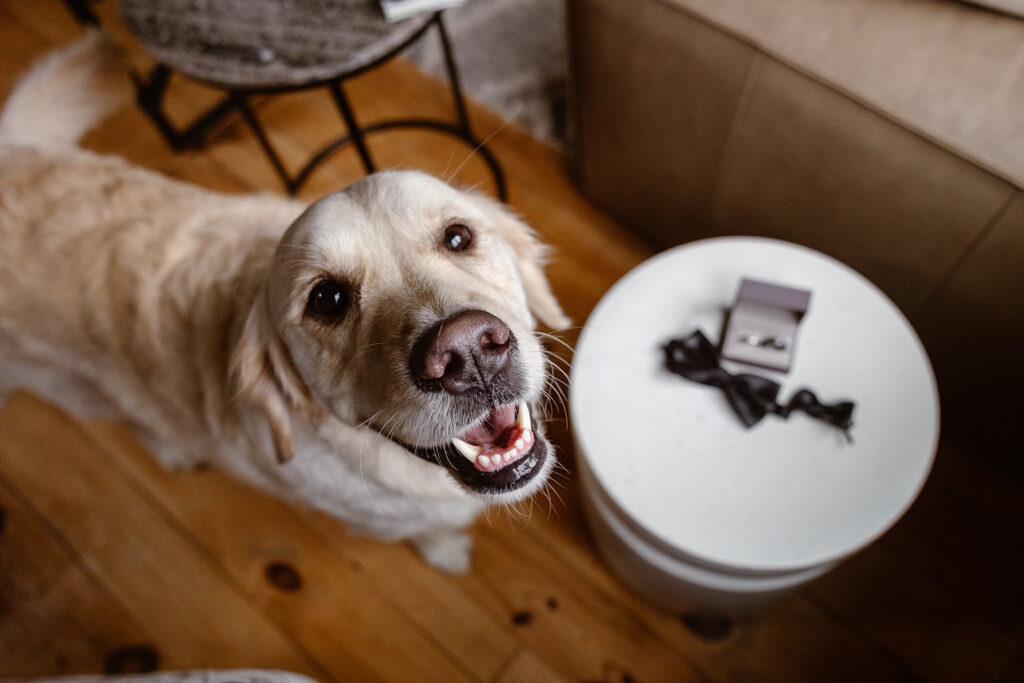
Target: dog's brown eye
(457, 237)
(328, 301)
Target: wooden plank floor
(108, 563)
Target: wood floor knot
(132, 659)
(709, 627)
(284, 576)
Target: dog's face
(408, 307)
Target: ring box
(762, 324)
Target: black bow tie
(751, 396)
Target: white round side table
(696, 512)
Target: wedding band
(763, 342)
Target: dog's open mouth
(499, 454)
(502, 438)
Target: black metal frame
(151, 90)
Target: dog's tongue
(495, 426)
(503, 437)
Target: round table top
(266, 44)
(785, 494)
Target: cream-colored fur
(124, 294)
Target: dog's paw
(446, 549)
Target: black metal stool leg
(462, 113)
(453, 75)
(242, 103)
(149, 94)
(355, 132)
(82, 12)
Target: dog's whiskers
(362, 476)
(559, 340)
(475, 186)
(369, 420)
(477, 149)
(365, 349)
(451, 158)
(559, 384)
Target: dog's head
(405, 306)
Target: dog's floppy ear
(531, 256)
(265, 376)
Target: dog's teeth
(520, 443)
(484, 461)
(523, 416)
(468, 450)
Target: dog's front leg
(446, 548)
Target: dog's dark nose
(462, 352)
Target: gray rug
(511, 57)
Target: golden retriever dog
(374, 355)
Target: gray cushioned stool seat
(254, 44)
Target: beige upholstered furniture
(886, 133)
